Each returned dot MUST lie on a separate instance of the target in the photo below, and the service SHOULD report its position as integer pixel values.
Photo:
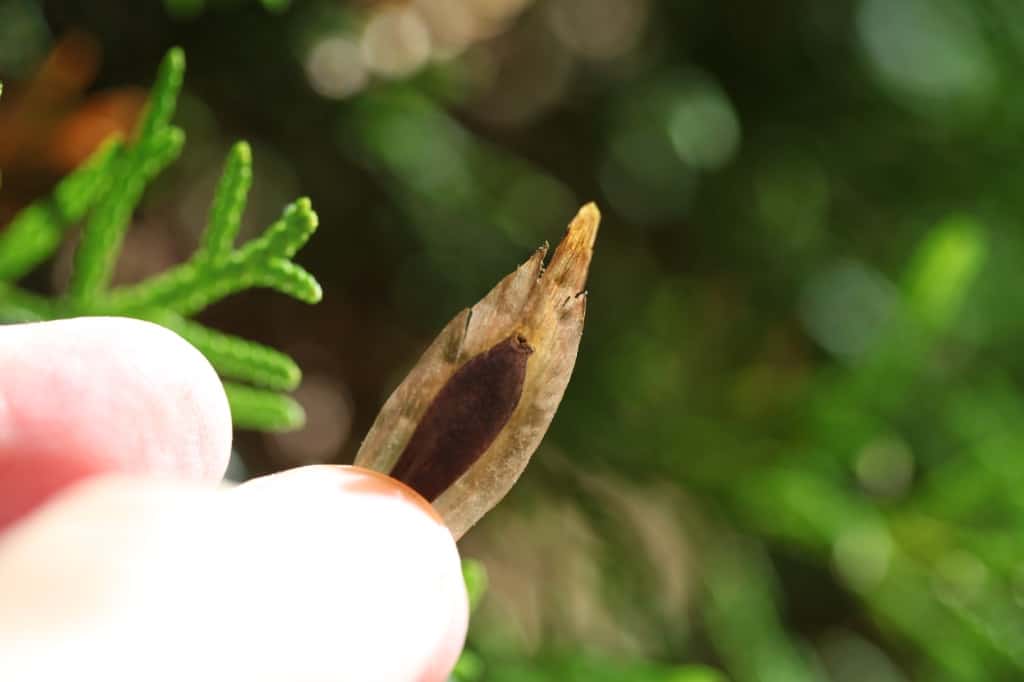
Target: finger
(324, 574)
(105, 394)
(414, 604)
(27, 482)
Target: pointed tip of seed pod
(572, 257)
(586, 221)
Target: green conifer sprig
(255, 408)
(36, 232)
(234, 357)
(104, 192)
(228, 204)
(202, 281)
(158, 145)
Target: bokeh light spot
(846, 307)
(598, 29)
(329, 416)
(532, 73)
(861, 555)
(703, 126)
(666, 131)
(396, 41)
(335, 68)
(451, 24)
(885, 467)
(643, 178)
(927, 48)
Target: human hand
(120, 559)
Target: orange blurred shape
(112, 112)
(29, 112)
(49, 124)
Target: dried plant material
(464, 419)
(468, 460)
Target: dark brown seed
(464, 418)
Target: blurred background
(793, 448)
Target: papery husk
(547, 306)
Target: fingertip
(28, 482)
(403, 587)
(346, 479)
(451, 639)
(122, 393)
(321, 573)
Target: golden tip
(572, 257)
(590, 211)
(583, 228)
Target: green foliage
(468, 668)
(583, 668)
(188, 9)
(37, 231)
(744, 622)
(475, 575)
(471, 666)
(104, 192)
(945, 265)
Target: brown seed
(464, 418)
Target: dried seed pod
(462, 425)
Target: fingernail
(360, 480)
(351, 479)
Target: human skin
(122, 557)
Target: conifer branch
(157, 146)
(228, 204)
(254, 408)
(38, 229)
(105, 191)
(262, 262)
(234, 357)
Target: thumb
(322, 573)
